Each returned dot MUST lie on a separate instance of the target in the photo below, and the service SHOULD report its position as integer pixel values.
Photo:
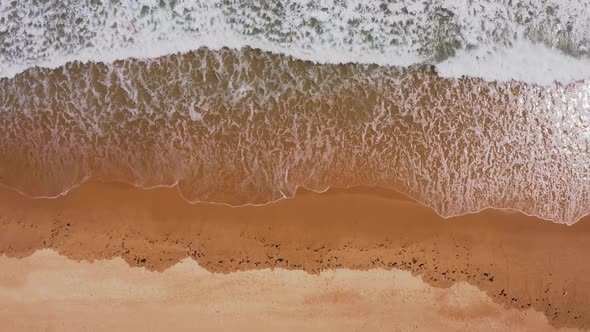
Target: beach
(224, 165)
(518, 263)
(107, 295)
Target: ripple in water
(249, 127)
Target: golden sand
(520, 263)
(48, 292)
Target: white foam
(497, 33)
(524, 61)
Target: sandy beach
(294, 165)
(523, 269)
(49, 292)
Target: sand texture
(110, 296)
(520, 263)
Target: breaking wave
(534, 41)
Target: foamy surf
(533, 41)
(524, 61)
(250, 127)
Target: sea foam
(533, 41)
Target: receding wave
(249, 127)
(536, 41)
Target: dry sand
(528, 268)
(47, 292)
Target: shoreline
(357, 229)
(297, 125)
(299, 190)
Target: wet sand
(520, 262)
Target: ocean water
(462, 105)
(532, 40)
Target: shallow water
(249, 127)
